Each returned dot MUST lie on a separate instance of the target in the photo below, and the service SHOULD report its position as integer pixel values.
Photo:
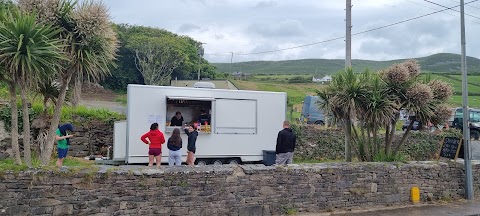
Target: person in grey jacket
(192, 134)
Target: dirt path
(103, 100)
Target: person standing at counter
(192, 134)
(174, 144)
(204, 117)
(154, 139)
(177, 120)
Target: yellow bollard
(415, 194)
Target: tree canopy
(143, 39)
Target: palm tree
(345, 93)
(375, 110)
(10, 80)
(90, 44)
(49, 89)
(27, 49)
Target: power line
(451, 9)
(436, 9)
(358, 33)
(414, 2)
(468, 5)
(408, 20)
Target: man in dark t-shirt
(177, 120)
(204, 117)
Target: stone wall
(91, 140)
(92, 137)
(228, 190)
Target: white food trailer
(243, 123)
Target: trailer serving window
(191, 109)
(235, 116)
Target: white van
(243, 123)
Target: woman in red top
(154, 138)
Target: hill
(437, 63)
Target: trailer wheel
(217, 162)
(234, 161)
(202, 162)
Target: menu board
(452, 148)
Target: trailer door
(234, 116)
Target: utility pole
(200, 52)
(466, 112)
(348, 64)
(231, 61)
(348, 35)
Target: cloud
(265, 4)
(188, 27)
(255, 26)
(286, 28)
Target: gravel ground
(475, 150)
(103, 101)
(110, 105)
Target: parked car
(311, 114)
(456, 121)
(416, 125)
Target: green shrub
(69, 114)
(382, 157)
(6, 116)
(121, 99)
(80, 113)
(4, 92)
(316, 143)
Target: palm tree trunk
(46, 155)
(370, 147)
(14, 121)
(388, 143)
(77, 91)
(27, 151)
(387, 137)
(325, 118)
(348, 140)
(375, 140)
(45, 108)
(404, 137)
(356, 144)
(365, 143)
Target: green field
(297, 91)
(437, 63)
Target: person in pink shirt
(154, 138)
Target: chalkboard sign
(452, 148)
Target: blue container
(269, 157)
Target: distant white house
(324, 79)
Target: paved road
(461, 208)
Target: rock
(4, 155)
(45, 202)
(63, 210)
(373, 187)
(251, 211)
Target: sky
(250, 26)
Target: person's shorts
(155, 151)
(62, 153)
(192, 150)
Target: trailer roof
(203, 89)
